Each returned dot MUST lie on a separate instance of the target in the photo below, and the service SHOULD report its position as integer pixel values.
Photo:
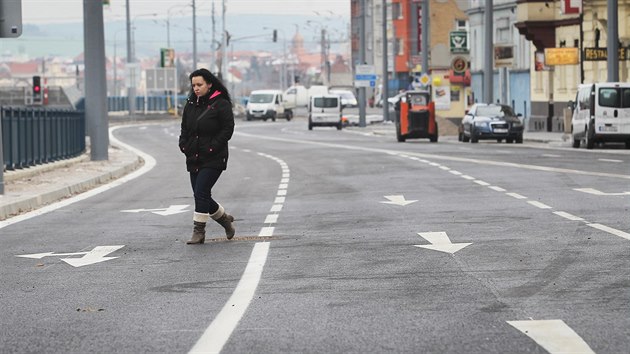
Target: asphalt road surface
(346, 242)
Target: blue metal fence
(32, 136)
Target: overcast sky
(42, 11)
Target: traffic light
(37, 90)
(275, 35)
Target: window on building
(396, 11)
(461, 25)
(400, 49)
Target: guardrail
(33, 135)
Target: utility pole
(488, 71)
(425, 37)
(194, 31)
(323, 55)
(613, 41)
(131, 88)
(213, 59)
(385, 80)
(224, 35)
(95, 79)
(362, 62)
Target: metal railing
(33, 135)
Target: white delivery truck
(266, 104)
(299, 96)
(601, 113)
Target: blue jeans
(202, 183)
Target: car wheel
(434, 137)
(519, 139)
(473, 138)
(509, 141)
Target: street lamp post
(324, 43)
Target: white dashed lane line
(534, 203)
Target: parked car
(491, 121)
(347, 98)
(601, 113)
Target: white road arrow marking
(398, 200)
(553, 335)
(171, 210)
(597, 192)
(96, 255)
(441, 242)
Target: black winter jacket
(205, 141)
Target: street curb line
(35, 202)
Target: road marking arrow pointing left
(171, 210)
(96, 255)
(398, 200)
(441, 242)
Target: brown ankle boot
(224, 219)
(199, 228)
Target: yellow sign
(601, 54)
(562, 56)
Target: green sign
(459, 41)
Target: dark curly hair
(217, 85)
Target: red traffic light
(36, 88)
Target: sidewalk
(37, 186)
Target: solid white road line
(221, 328)
(610, 160)
(149, 163)
(553, 335)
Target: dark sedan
(491, 121)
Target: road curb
(32, 202)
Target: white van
(299, 96)
(601, 113)
(265, 104)
(325, 110)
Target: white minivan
(601, 113)
(265, 104)
(325, 111)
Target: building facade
(570, 26)
(511, 75)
